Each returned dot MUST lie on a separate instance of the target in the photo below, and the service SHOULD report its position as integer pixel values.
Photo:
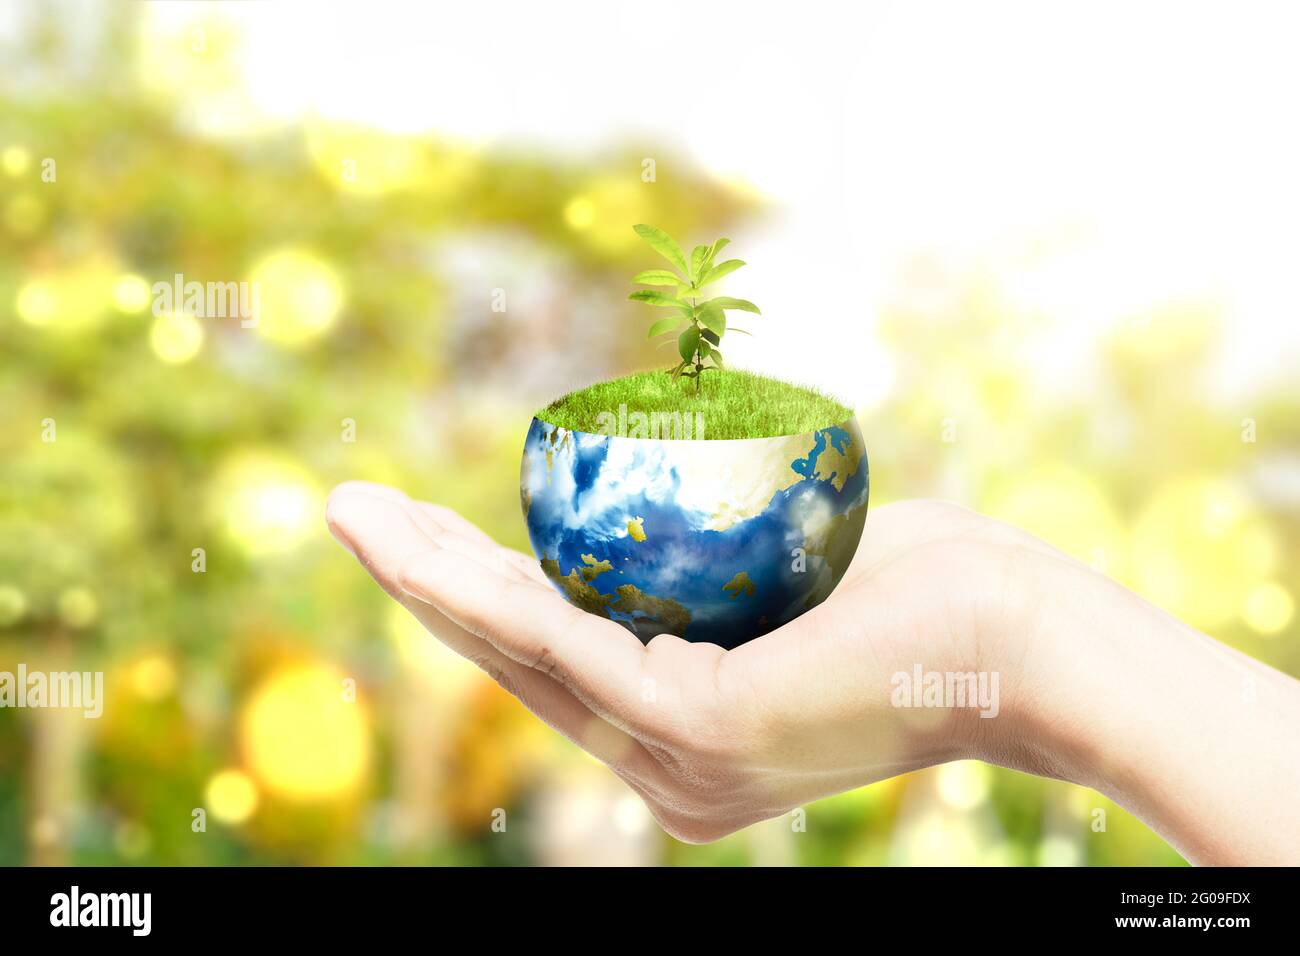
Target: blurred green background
(378, 355)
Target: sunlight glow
(303, 740)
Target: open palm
(714, 740)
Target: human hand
(714, 740)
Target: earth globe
(717, 541)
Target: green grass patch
(732, 403)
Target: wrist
(1190, 736)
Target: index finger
(597, 660)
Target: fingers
(599, 661)
(377, 526)
(453, 530)
(450, 530)
(509, 564)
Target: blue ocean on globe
(714, 541)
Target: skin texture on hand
(1094, 685)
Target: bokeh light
(267, 503)
(36, 303)
(70, 300)
(1119, 383)
(963, 784)
(231, 796)
(78, 607)
(132, 293)
(303, 740)
(13, 605)
(14, 160)
(299, 296)
(602, 214)
(153, 677)
(1058, 850)
(1269, 608)
(580, 212)
(176, 337)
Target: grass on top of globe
(728, 403)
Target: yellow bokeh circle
(603, 213)
(13, 605)
(266, 502)
(153, 677)
(71, 299)
(14, 160)
(231, 796)
(176, 337)
(78, 608)
(131, 293)
(37, 303)
(1268, 608)
(963, 784)
(580, 212)
(299, 296)
(304, 738)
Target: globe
(714, 541)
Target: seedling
(698, 322)
(717, 535)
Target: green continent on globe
(668, 615)
(579, 592)
(594, 568)
(740, 584)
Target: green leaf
(668, 324)
(717, 357)
(705, 348)
(699, 255)
(688, 342)
(710, 336)
(650, 297)
(657, 277)
(736, 328)
(721, 269)
(727, 302)
(712, 317)
(663, 244)
(714, 249)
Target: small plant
(699, 323)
